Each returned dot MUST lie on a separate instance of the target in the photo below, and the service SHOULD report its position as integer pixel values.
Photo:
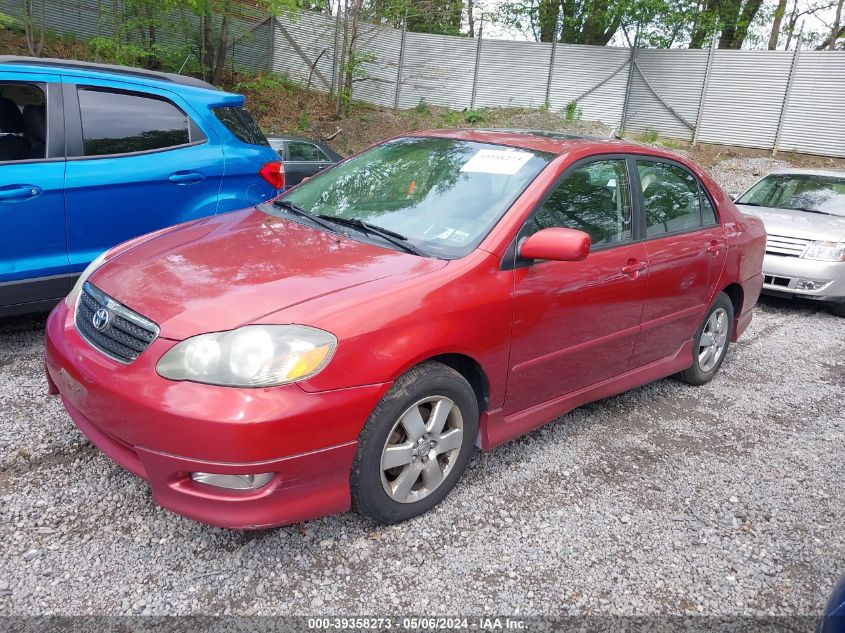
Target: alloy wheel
(421, 449)
(711, 345)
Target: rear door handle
(186, 177)
(19, 192)
(633, 268)
(714, 247)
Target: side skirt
(496, 429)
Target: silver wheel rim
(711, 345)
(421, 449)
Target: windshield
(799, 192)
(442, 195)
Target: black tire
(696, 374)
(838, 309)
(430, 379)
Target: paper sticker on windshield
(496, 161)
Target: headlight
(251, 356)
(826, 251)
(77, 287)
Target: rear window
(240, 123)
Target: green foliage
(6, 20)
(303, 121)
(422, 107)
(474, 117)
(452, 118)
(649, 135)
(545, 107)
(572, 112)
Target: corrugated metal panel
(382, 44)
(677, 76)
(512, 74)
(745, 97)
(438, 69)
(815, 116)
(314, 34)
(252, 49)
(579, 68)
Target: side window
(23, 122)
(119, 123)
(672, 201)
(305, 152)
(708, 213)
(595, 199)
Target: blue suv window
(240, 123)
(121, 123)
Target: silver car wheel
(711, 345)
(421, 449)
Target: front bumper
(782, 275)
(164, 430)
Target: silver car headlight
(70, 300)
(251, 356)
(826, 251)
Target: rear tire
(838, 309)
(415, 445)
(711, 342)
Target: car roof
(110, 71)
(546, 141)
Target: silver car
(804, 214)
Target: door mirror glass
(556, 244)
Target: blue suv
(92, 155)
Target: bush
(649, 135)
(572, 112)
(475, 116)
(422, 107)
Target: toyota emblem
(101, 319)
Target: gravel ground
(725, 499)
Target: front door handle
(19, 192)
(186, 177)
(633, 268)
(714, 247)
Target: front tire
(711, 342)
(415, 445)
(838, 309)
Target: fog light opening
(810, 284)
(233, 482)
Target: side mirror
(557, 244)
(734, 196)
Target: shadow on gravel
(25, 323)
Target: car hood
(225, 271)
(800, 224)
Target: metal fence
(776, 100)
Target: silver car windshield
(442, 196)
(799, 192)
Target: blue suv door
(33, 254)
(139, 159)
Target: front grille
(789, 246)
(122, 333)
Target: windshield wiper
(295, 209)
(748, 204)
(397, 239)
(809, 210)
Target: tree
(33, 27)
(777, 20)
(837, 31)
(216, 20)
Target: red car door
(575, 323)
(687, 250)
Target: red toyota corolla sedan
(350, 343)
